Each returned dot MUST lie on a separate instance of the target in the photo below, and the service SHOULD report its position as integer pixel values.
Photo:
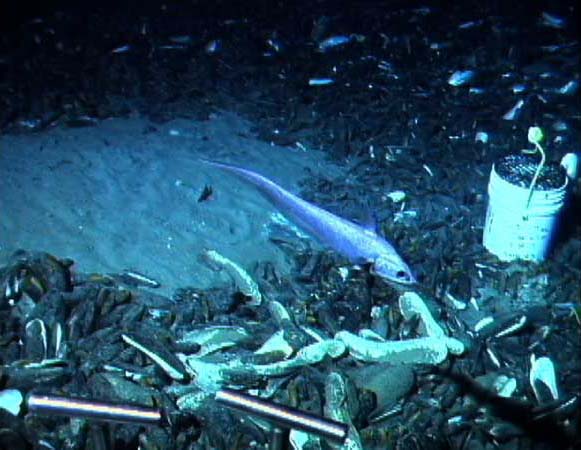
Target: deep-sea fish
(360, 245)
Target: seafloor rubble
(409, 370)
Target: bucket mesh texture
(520, 169)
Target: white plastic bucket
(513, 231)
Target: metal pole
(284, 415)
(78, 407)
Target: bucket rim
(562, 187)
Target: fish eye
(400, 274)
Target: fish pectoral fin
(365, 265)
(370, 222)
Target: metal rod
(77, 407)
(283, 415)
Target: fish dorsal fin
(371, 223)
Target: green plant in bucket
(535, 137)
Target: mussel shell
(49, 271)
(36, 341)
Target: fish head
(392, 269)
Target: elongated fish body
(357, 243)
